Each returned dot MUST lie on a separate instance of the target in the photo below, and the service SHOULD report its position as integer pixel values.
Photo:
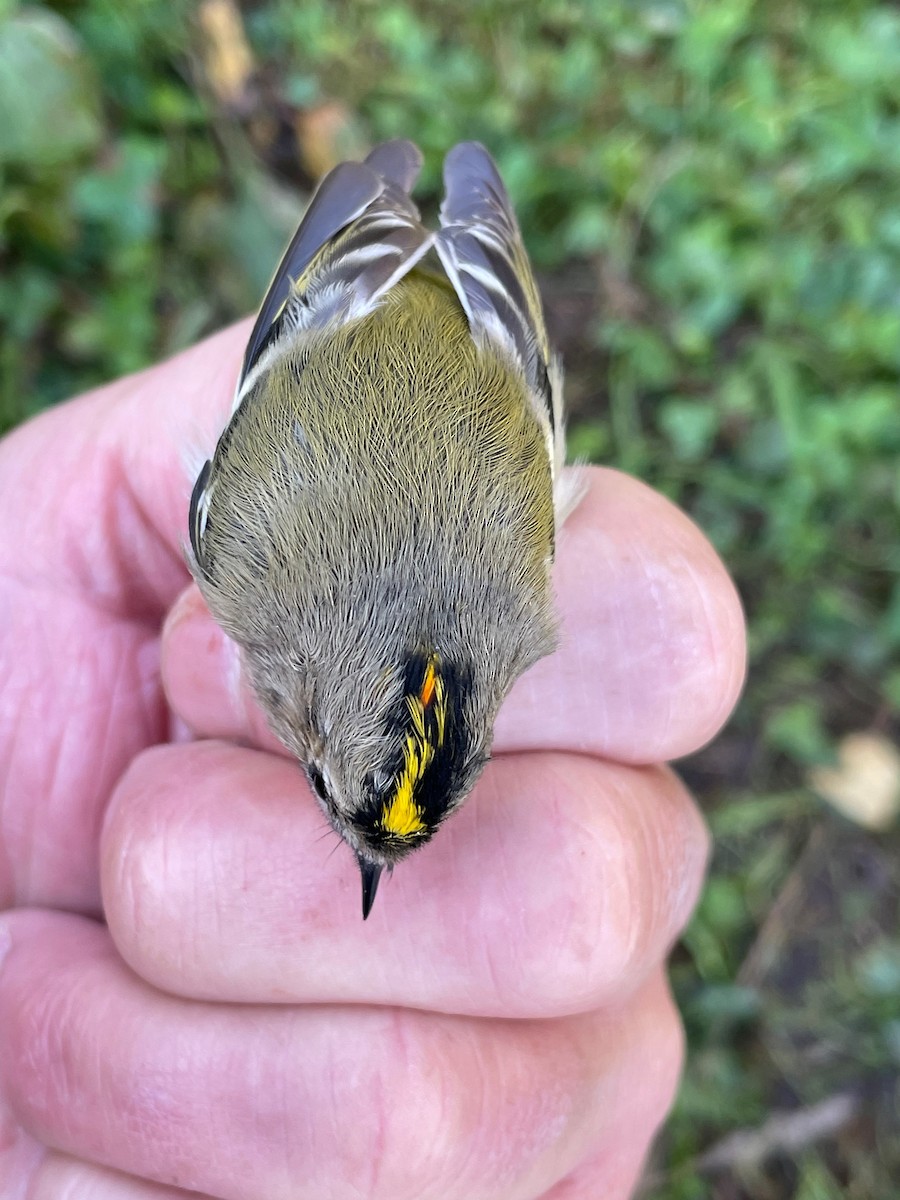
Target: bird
(377, 524)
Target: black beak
(371, 873)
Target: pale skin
(161, 859)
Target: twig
(783, 1132)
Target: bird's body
(383, 556)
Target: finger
(108, 523)
(561, 882)
(28, 1169)
(80, 697)
(93, 495)
(651, 653)
(613, 1168)
(61, 1177)
(306, 1102)
(20, 1154)
(613, 1173)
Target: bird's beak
(371, 873)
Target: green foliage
(709, 188)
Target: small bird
(376, 526)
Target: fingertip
(718, 687)
(651, 651)
(696, 606)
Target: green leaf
(48, 93)
(690, 426)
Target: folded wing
(482, 252)
(360, 234)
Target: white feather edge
(352, 312)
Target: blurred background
(710, 195)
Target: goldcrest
(376, 526)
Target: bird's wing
(360, 234)
(482, 252)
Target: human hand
(192, 998)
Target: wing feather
(359, 235)
(397, 162)
(343, 195)
(481, 248)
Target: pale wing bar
(356, 268)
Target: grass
(709, 191)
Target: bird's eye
(317, 781)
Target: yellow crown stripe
(402, 816)
(417, 716)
